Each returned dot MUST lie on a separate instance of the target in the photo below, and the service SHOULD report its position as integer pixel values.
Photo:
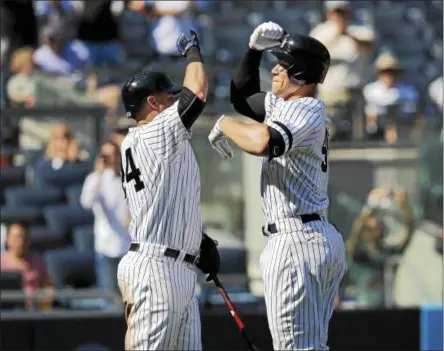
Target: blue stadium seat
(73, 193)
(11, 176)
(42, 238)
(69, 174)
(11, 214)
(84, 238)
(24, 196)
(66, 217)
(69, 268)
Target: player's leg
(337, 267)
(190, 329)
(292, 268)
(161, 292)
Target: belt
(169, 252)
(271, 228)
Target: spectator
(388, 101)
(111, 214)
(61, 151)
(350, 50)
(59, 56)
(17, 257)
(62, 147)
(56, 12)
(99, 31)
(70, 59)
(170, 18)
(368, 246)
(21, 87)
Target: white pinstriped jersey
(160, 176)
(296, 182)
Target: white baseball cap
(332, 5)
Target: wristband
(193, 55)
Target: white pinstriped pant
(302, 266)
(161, 310)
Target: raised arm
(245, 91)
(195, 84)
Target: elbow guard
(190, 107)
(276, 144)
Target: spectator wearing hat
(389, 103)
(350, 48)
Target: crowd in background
(72, 40)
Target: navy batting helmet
(307, 58)
(138, 88)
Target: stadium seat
(73, 193)
(42, 238)
(24, 196)
(83, 238)
(69, 174)
(66, 217)
(11, 176)
(69, 268)
(11, 214)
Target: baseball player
(304, 258)
(160, 178)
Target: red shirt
(34, 272)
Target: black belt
(169, 252)
(271, 228)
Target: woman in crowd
(18, 258)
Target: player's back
(296, 182)
(162, 183)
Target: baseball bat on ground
(234, 313)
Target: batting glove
(219, 141)
(184, 42)
(266, 36)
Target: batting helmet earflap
(308, 58)
(138, 88)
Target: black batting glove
(209, 259)
(185, 43)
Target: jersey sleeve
(166, 133)
(297, 122)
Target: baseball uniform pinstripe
(161, 180)
(302, 263)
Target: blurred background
(63, 64)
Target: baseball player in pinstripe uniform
(160, 178)
(304, 258)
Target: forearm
(245, 90)
(246, 79)
(252, 138)
(195, 76)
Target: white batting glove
(266, 36)
(219, 141)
